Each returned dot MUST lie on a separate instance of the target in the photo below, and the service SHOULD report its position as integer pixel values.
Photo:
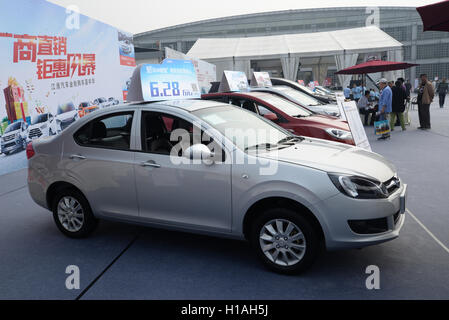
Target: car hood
(37, 125)
(328, 122)
(335, 158)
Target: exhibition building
(428, 49)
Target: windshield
(323, 89)
(40, 118)
(13, 127)
(245, 129)
(63, 108)
(301, 97)
(289, 108)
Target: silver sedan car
(211, 168)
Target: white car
(65, 116)
(40, 126)
(14, 137)
(103, 103)
(208, 167)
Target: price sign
(171, 80)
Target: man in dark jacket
(398, 105)
(442, 91)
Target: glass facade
(430, 49)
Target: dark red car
(288, 115)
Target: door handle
(151, 164)
(77, 157)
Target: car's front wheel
(285, 241)
(72, 214)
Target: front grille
(11, 144)
(35, 133)
(8, 138)
(392, 185)
(373, 226)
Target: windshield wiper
(291, 139)
(300, 116)
(262, 146)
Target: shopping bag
(382, 127)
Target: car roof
(255, 94)
(186, 105)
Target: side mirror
(200, 152)
(271, 116)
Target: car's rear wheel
(285, 241)
(72, 214)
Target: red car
(288, 115)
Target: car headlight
(44, 127)
(58, 121)
(339, 134)
(359, 187)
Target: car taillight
(30, 151)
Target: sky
(137, 16)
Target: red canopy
(435, 16)
(375, 66)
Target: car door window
(170, 135)
(112, 132)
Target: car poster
(351, 114)
(234, 81)
(55, 67)
(261, 80)
(171, 80)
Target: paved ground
(13, 162)
(154, 264)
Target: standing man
(347, 93)
(385, 103)
(398, 106)
(425, 99)
(356, 92)
(442, 91)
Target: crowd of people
(389, 103)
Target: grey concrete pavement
(173, 265)
(13, 162)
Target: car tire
(294, 248)
(72, 214)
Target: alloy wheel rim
(282, 242)
(70, 214)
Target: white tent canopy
(344, 45)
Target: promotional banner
(351, 114)
(56, 65)
(234, 81)
(171, 80)
(261, 80)
(205, 71)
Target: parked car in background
(65, 116)
(303, 100)
(124, 164)
(40, 126)
(14, 137)
(85, 108)
(103, 103)
(288, 115)
(294, 85)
